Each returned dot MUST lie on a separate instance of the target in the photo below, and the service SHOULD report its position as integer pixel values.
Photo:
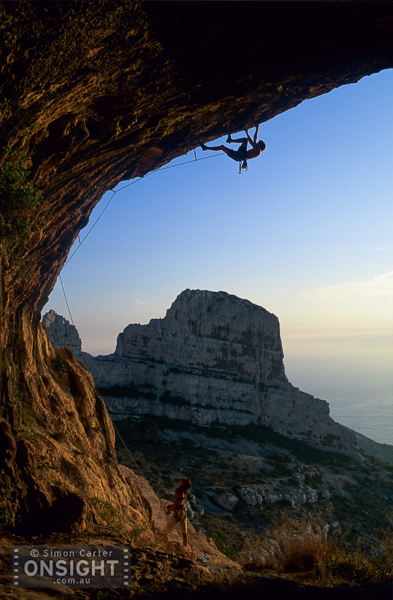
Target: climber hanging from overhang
(241, 155)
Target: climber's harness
(180, 513)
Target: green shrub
(107, 512)
(59, 364)
(135, 533)
(348, 568)
(223, 545)
(28, 426)
(19, 199)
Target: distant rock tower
(214, 358)
(61, 333)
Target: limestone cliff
(94, 93)
(213, 358)
(61, 333)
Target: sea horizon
(354, 377)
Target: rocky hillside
(214, 358)
(249, 480)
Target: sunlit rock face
(213, 358)
(94, 93)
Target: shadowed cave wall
(93, 93)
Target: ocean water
(355, 377)
(371, 417)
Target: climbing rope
(114, 192)
(126, 447)
(117, 431)
(90, 230)
(66, 301)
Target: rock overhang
(94, 94)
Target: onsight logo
(70, 566)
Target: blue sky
(306, 232)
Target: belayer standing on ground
(178, 510)
(241, 155)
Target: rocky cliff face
(61, 333)
(213, 358)
(94, 93)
